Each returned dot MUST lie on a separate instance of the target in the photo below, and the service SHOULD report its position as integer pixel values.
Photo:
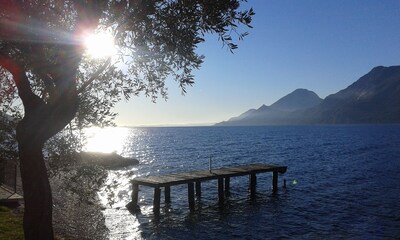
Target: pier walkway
(195, 178)
(8, 196)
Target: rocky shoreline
(107, 160)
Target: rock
(106, 160)
(132, 208)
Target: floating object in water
(295, 182)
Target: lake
(343, 181)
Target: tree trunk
(32, 132)
(47, 113)
(41, 121)
(37, 192)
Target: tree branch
(94, 76)
(39, 64)
(29, 99)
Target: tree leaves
(157, 40)
(161, 37)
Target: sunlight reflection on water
(114, 195)
(122, 224)
(106, 140)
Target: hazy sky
(323, 46)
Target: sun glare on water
(100, 45)
(106, 140)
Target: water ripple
(343, 182)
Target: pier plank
(204, 175)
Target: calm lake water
(342, 182)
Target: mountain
(297, 100)
(243, 115)
(374, 98)
(279, 112)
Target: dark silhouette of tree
(42, 58)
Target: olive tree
(43, 60)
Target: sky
(323, 46)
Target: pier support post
(198, 189)
(135, 194)
(133, 205)
(227, 186)
(275, 181)
(253, 183)
(191, 195)
(156, 201)
(221, 191)
(167, 194)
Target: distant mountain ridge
(297, 100)
(279, 112)
(374, 98)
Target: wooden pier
(9, 197)
(194, 179)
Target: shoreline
(77, 211)
(77, 208)
(81, 216)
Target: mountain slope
(374, 98)
(279, 112)
(297, 100)
(243, 115)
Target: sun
(100, 45)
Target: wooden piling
(156, 201)
(227, 186)
(135, 194)
(253, 183)
(198, 189)
(221, 191)
(167, 194)
(274, 181)
(191, 195)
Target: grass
(10, 224)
